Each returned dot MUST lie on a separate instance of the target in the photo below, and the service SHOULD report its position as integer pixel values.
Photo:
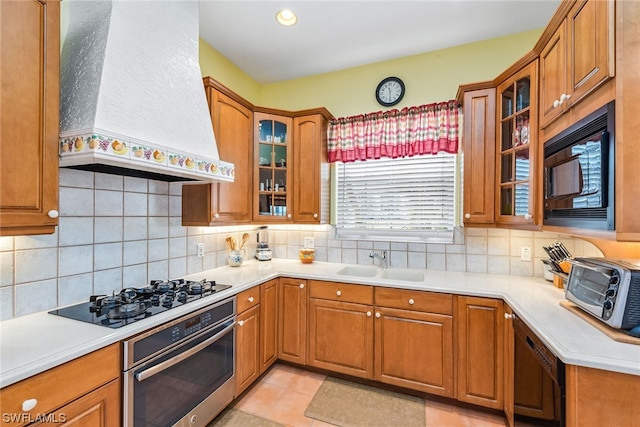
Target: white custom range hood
(132, 99)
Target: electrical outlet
(309, 242)
(525, 253)
(200, 247)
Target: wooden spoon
(245, 237)
(230, 243)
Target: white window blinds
(411, 197)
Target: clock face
(390, 91)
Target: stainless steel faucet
(384, 261)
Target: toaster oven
(607, 289)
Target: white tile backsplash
(36, 264)
(117, 232)
(108, 203)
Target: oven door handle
(148, 373)
(607, 272)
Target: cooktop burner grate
(132, 304)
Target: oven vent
(595, 213)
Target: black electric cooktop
(133, 304)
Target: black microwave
(579, 169)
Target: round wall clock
(390, 91)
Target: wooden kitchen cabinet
(479, 148)
(292, 320)
(248, 362)
(509, 360)
(577, 59)
(480, 351)
(311, 175)
(225, 202)
(273, 154)
(588, 406)
(341, 328)
(268, 324)
(518, 152)
(30, 90)
(414, 340)
(92, 398)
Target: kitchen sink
(403, 275)
(358, 271)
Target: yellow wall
(213, 64)
(428, 77)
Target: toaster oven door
(587, 286)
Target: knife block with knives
(558, 262)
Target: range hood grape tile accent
(132, 98)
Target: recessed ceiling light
(286, 17)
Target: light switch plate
(525, 253)
(309, 242)
(200, 247)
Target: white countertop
(37, 342)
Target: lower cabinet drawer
(247, 299)
(360, 294)
(429, 302)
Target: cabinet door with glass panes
(519, 186)
(272, 163)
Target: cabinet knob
(301, 285)
(467, 215)
(250, 299)
(216, 215)
(368, 314)
(339, 293)
(527, 216)
(411, 301)
(29, 404)
(378, 315)
(508, 316)
(556, 103)
(289, 216)
(53, 213)
(240, 322)
(564, 97)
(315, 215)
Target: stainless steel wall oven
(181, 373)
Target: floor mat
(348, 404)
(235, 418)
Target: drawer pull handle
(250, 299)
(368, 314)
(411, 301)
(29, 404)
(339, 293)
(301, 285)
(508, 316)
(240, 322)
(53, 213)
(377, 315)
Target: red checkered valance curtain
(426, 129)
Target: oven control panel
(150, 343)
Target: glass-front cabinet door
(518, 151)
(272, 163)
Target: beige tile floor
(283, 394)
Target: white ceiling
(333, 35)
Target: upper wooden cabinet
(311, 191)
(30, 90)
(273, 153)
(479, 148)
(578, 57)
(224, 202)
(518, 151)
